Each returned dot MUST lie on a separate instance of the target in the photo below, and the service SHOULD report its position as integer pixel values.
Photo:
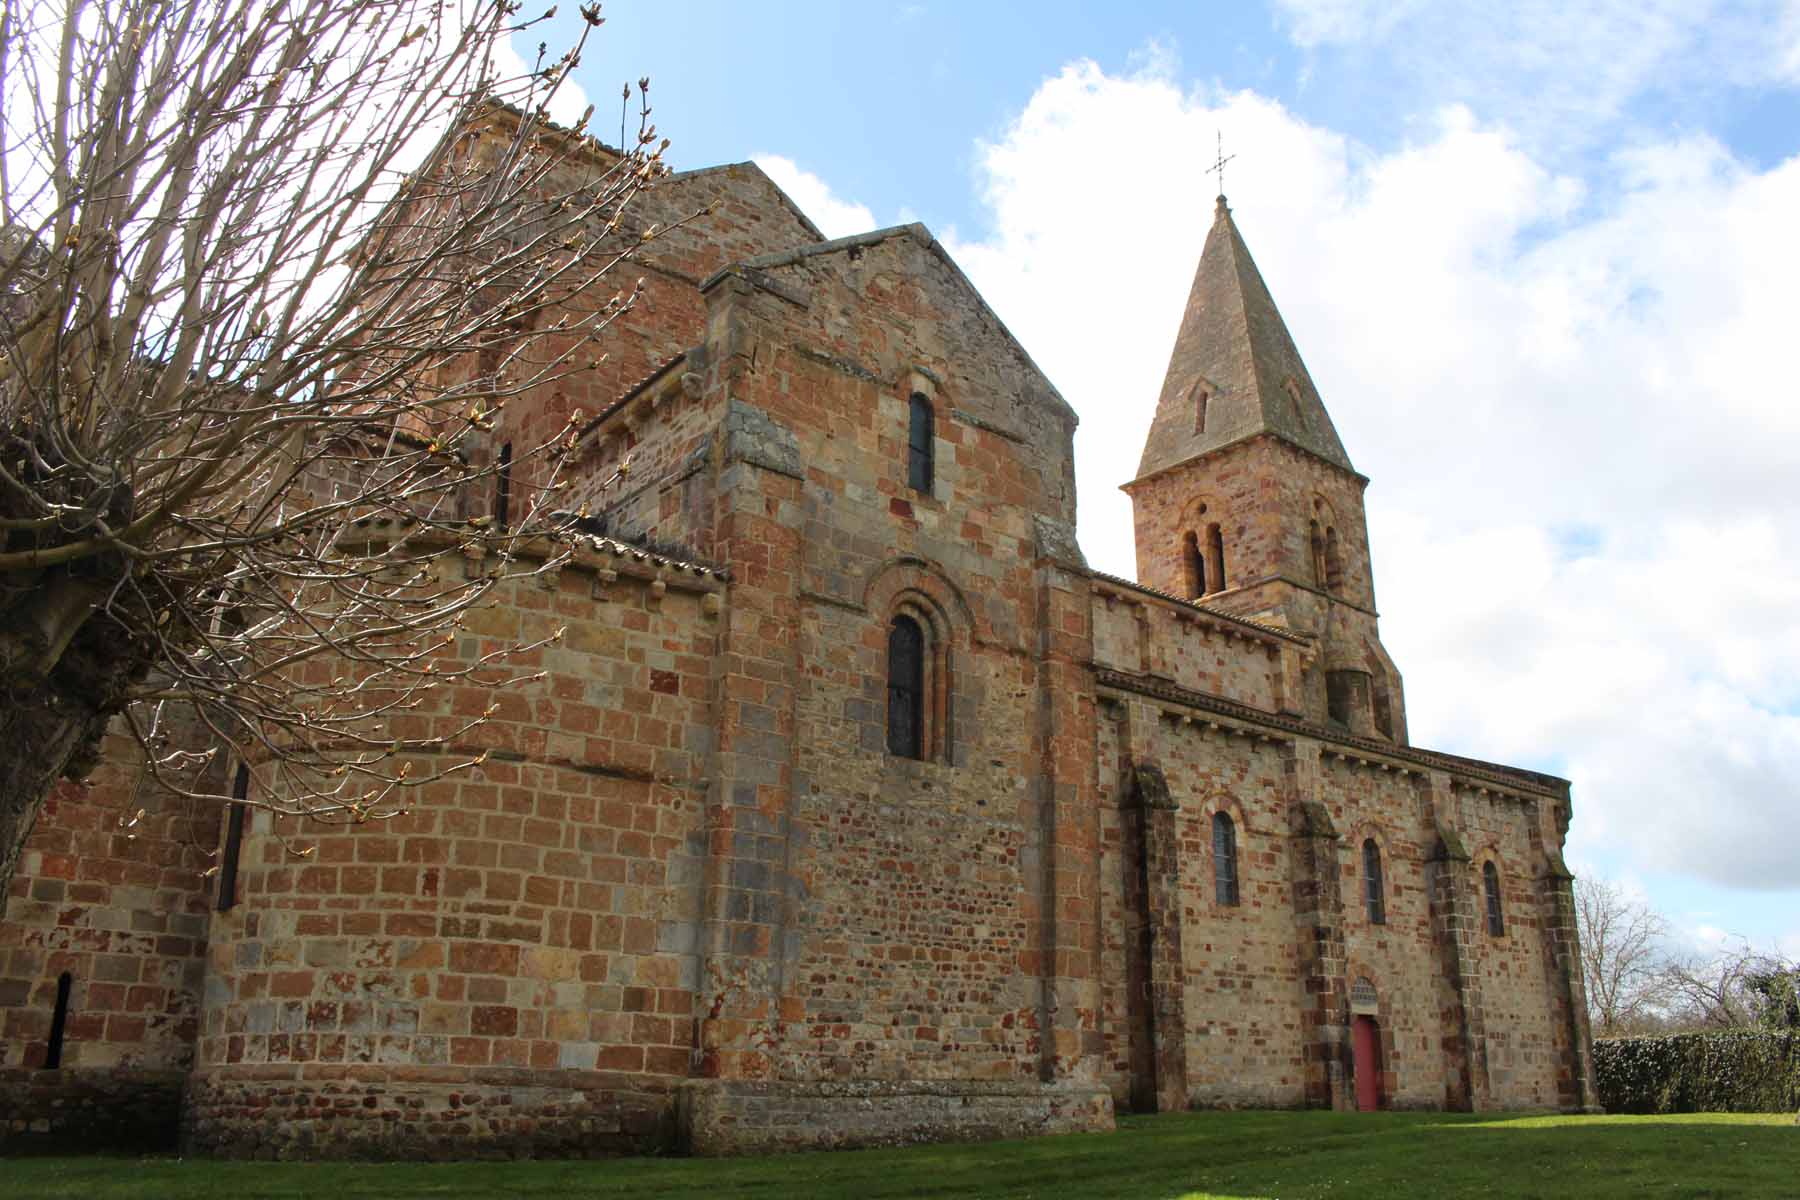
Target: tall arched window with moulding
(906, 688)
(1225, 859)
(1193, 566)
(920, 430)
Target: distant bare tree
(269, 272)
(1622, 956)
(1738, 987)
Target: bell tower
(1245, 500)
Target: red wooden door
(1367, 1064)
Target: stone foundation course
(423, 1114)
(729, 1117)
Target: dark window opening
(503, 489)
(919, 445)
(59, 1022)
(234, 840)
(1215, 553)
(1200, 399)
(906, 689)
(1194, 566)
(1373, 896)
(1339, 696)
(1225, 864)
(1490, 878)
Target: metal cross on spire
(1219, 162)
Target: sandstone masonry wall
(121, 909)
(529, 925)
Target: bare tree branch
(270, 275)
(1622, 957)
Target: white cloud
(568, 101)
(1787, 43)
(1559, 70)
(835, 216)
(1578, 416)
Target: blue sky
(1542, 260)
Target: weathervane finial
(1218, 166)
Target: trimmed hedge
(1747, 1071)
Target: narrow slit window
(234, 840)
(906, 689)
(1334, 567)
(1215, 553)
(919, 444)
(1374, 896)
(1496, 920)
(1201, 396)
(1225, 863)
(59, 1022)
(503, 489)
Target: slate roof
(1234, 344)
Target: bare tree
(1738, 987)
(1622, 956)
(269, 273)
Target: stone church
(854, 807)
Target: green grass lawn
(1387, 1156)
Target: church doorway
(1365, 1048)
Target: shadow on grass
(1244, 1154)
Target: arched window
(1374, 898)
(1193, 566)
(1340, 695)
(1496, 921)
(1225, 863)
(1316, 540)
(1215, 553)
(918, 444)
(1334, 567)
(906, 689)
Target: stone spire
(1235, 372)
